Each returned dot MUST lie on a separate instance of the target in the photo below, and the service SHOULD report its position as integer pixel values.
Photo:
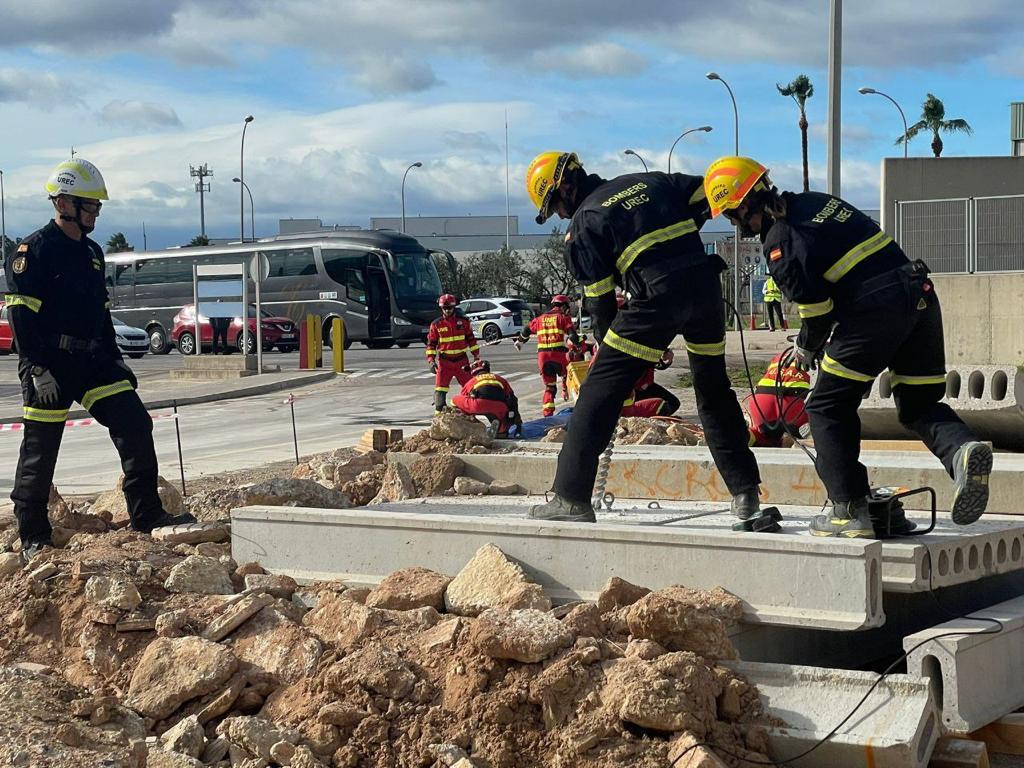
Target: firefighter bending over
(490, 395)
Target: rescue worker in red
(777, 406)
(641, 232)
(490, 395)
(650, 398)
(579, 351)
(864, 307)
(553, 328)
(449, 342)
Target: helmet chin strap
(85, 229)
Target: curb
(232, 394)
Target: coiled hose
(603, 466)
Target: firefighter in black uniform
(641, 232)
(58, 310)
(852, 281)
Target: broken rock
(375, 668)
(202, 575)
(680, 618)
(276, 585)
(186, 737)
(284, 491)
(256, 735)
(467, 486)
(10, 563)
(173, 671)
(397, 485)
(502, 488)
(194, 533)
(435, 475)
(684, 752)
(163, 758)
(457, 427)
(528, 636)
(110, 592)
(410, 588)
(365, 486)
(273, 644)
(236, 616)
(618, 593)
(490, 579)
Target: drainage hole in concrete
(1001, 552)
(931, 669)
(958, 561)
(999, 385)
(943, 563)
(972, 558)
(952, 385)
(986, 556)
(926, 569)
(885, 385)
(1015, 550)
(976, 385)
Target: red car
(6, 337)
(279, 332)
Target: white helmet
(79, 178)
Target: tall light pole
(3, 221)
(241, 176)
(835, 94)
(414, 165)
(736, 233)
(704, 128)
(202, 187)
(866, 91)
(631, 152)
(252, 213)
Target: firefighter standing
(553, 328)
(488, 394)
(449, 340)
(640, 231)
(773, 303)
(777, 406)
(842, 270)
(58, 309)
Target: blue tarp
(536, 429)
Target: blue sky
(347, 93)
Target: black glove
(805, 359)
(45, 386)
(128, 372)
(432, 365)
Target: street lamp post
(736, 235)
(704, 128)
(252, 213)
(3, 221)
(241, 176)
(631, 152)
(865, 91)
(414, 165)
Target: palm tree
(933, 114)
(800, 90)
(118, 243)
(198, 240)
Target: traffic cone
(752, 327)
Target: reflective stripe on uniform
(440, 389)
(712, 350)
(447, 339)
(833, 366)
(632, 348)
(769, 381)
(600, 288)
(638, 246)
(551, 345)
(815, 310)
(856, 255)
(91, 397)
(20, 300)
(917, 380)
(474, 348)
(453, 352)
(45, 415)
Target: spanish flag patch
(775, 254)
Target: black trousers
(775, 308)
(220, 327)
(671, 402)
(895, 323)
(101, 387)
(663, 303)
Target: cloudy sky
(347, 93)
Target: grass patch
(737, 375)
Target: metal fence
(965, 234)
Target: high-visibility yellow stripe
(815, 310)
(918, 380)
(20, 300)
(474, 348)
(45, 415)
(446, 339)
(440, 389)
(833, 366)
(551, 345)
(628, 402)
(638, 246)
(453, 352)
(632, 348)
(91, 397)
(698, 195)
(431, 352)
(714, 349)
(856, 255)
(769, 381)
(600, 288)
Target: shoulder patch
(775, 254)
(19, 264)
(23, 248)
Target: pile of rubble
(126, 650)
(637, 430)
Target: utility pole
(145, 243)
(835, 90)
(201, 187)
(72, 152)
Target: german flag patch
(775, 253)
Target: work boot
(32, 548)
(848, 520)
(746, 504)
(563, 510)
(972, 464)
(166, 520)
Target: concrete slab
(768, 572)
(976, 673)
(684, 473)
(896, 727)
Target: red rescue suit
(448, 342)
(649, 399)
(767, 422)
(490, 395)
(552, 328)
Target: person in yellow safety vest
(864, 307)
(773, 303)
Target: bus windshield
(415, 277)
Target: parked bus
(383, 284)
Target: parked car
(495, 318)
(278, 332)
(133, 342)
(6, 337)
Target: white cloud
(42, 90)
(139, 114)
(599, 59)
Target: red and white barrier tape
(18, 426)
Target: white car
(133, 342)
(495, 318)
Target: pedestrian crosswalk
(420, 373)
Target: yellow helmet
(543, 177)
(729, 180)
(79, 178)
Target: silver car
(133, 342)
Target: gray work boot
(972, 464)
(562, 510)
(848, 520)
(746, 504)
(30, 549)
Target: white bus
(383, 284)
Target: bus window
(123, 275)
(414, 276)
(294, 262)
(150, 271)
(347, 267)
